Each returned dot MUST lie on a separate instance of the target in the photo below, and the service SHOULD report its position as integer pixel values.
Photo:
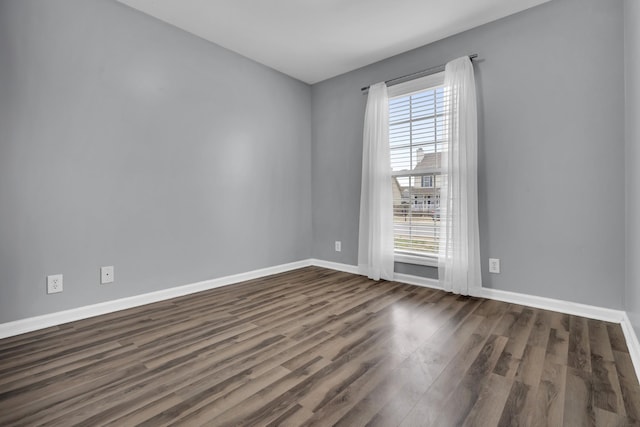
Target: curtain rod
(417, 74)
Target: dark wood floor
(319, 347)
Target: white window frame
(421, 84)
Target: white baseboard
(425, 282)
(397, 277)
(58, 318)
(347, 268)
(53, 319)
(574, 308)
(567, 307)
(40, 322)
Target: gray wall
(551, 149)
(632, 92)
(127, 142)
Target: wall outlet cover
(494, 265)
(54, 284)
(106, 274)
(338, 246)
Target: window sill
(430, 261)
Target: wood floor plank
(462, 400)
(549, 407)
(539, 336)
(515, 406)
(447, 381)
(340, 399)
(607, 394)
(599, 342)
(320, 347)
(616, 338)
(610, 419)
(579, 348)
(275, 400)
(405, 387)
(518, 334)
(578, 402)
(488, 408)
(361, 413)
(628, 383)
(530, 367)
(528, 376)
(558, 346)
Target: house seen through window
(417, 138)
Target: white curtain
(375, 246)
(459, 255)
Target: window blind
(417, 138)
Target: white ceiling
(313, 40)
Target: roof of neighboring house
(429, 161)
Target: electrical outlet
(338, 246)
(494, 265)
(106, 274)
(54, 283)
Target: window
(417, 137)
(427, 181)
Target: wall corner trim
(632, 342)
